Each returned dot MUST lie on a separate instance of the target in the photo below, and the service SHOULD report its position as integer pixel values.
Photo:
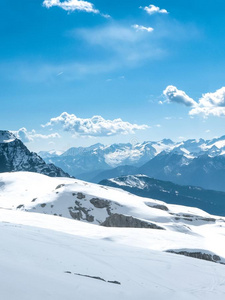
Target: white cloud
(172, 94)
(72, 5)
(213, 99)
(23, 135)
(95, 126)
(209, 104)
(26, 136)
(152, 9)
(45, 136)
(207, 111)
(142, 28)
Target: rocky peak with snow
(6, 136)
(14, 156)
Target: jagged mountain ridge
(81, 161)
(210, 201)
(14, 156)
(205, 171)
(94, 162)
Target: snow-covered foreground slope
(44, 256)
(174, 227)
(93, 203)
(47, 257)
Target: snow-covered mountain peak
(49, 154)
(15, 156)
(6, 136)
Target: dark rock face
(14, 156)
(80, 196)
(99, 203)
(205, 256)
(158, 206)
(80, 213)
(118, 220)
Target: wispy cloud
(25, 136)
(142, 28)
(152, 9)
(122, 43)
(95, 126)
(72, 5)
(209, 104)
(106, 48)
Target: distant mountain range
(204, 170)
(14, 156)
(81, 161)
(208, 200)
(191, 162)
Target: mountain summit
(14, 156)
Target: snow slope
(43, 256)
(47, 257)
(176, 227)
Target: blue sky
(157, 66)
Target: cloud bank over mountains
(95, 126)
(209, 104)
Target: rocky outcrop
(99, 203)
(158, 206)
(200, 255)
(191, 218)
(119, 220)
(80, 213)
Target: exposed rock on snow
(198, 254)
(118, 220)
(80, 213)
(158, 206)
(99, 203)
